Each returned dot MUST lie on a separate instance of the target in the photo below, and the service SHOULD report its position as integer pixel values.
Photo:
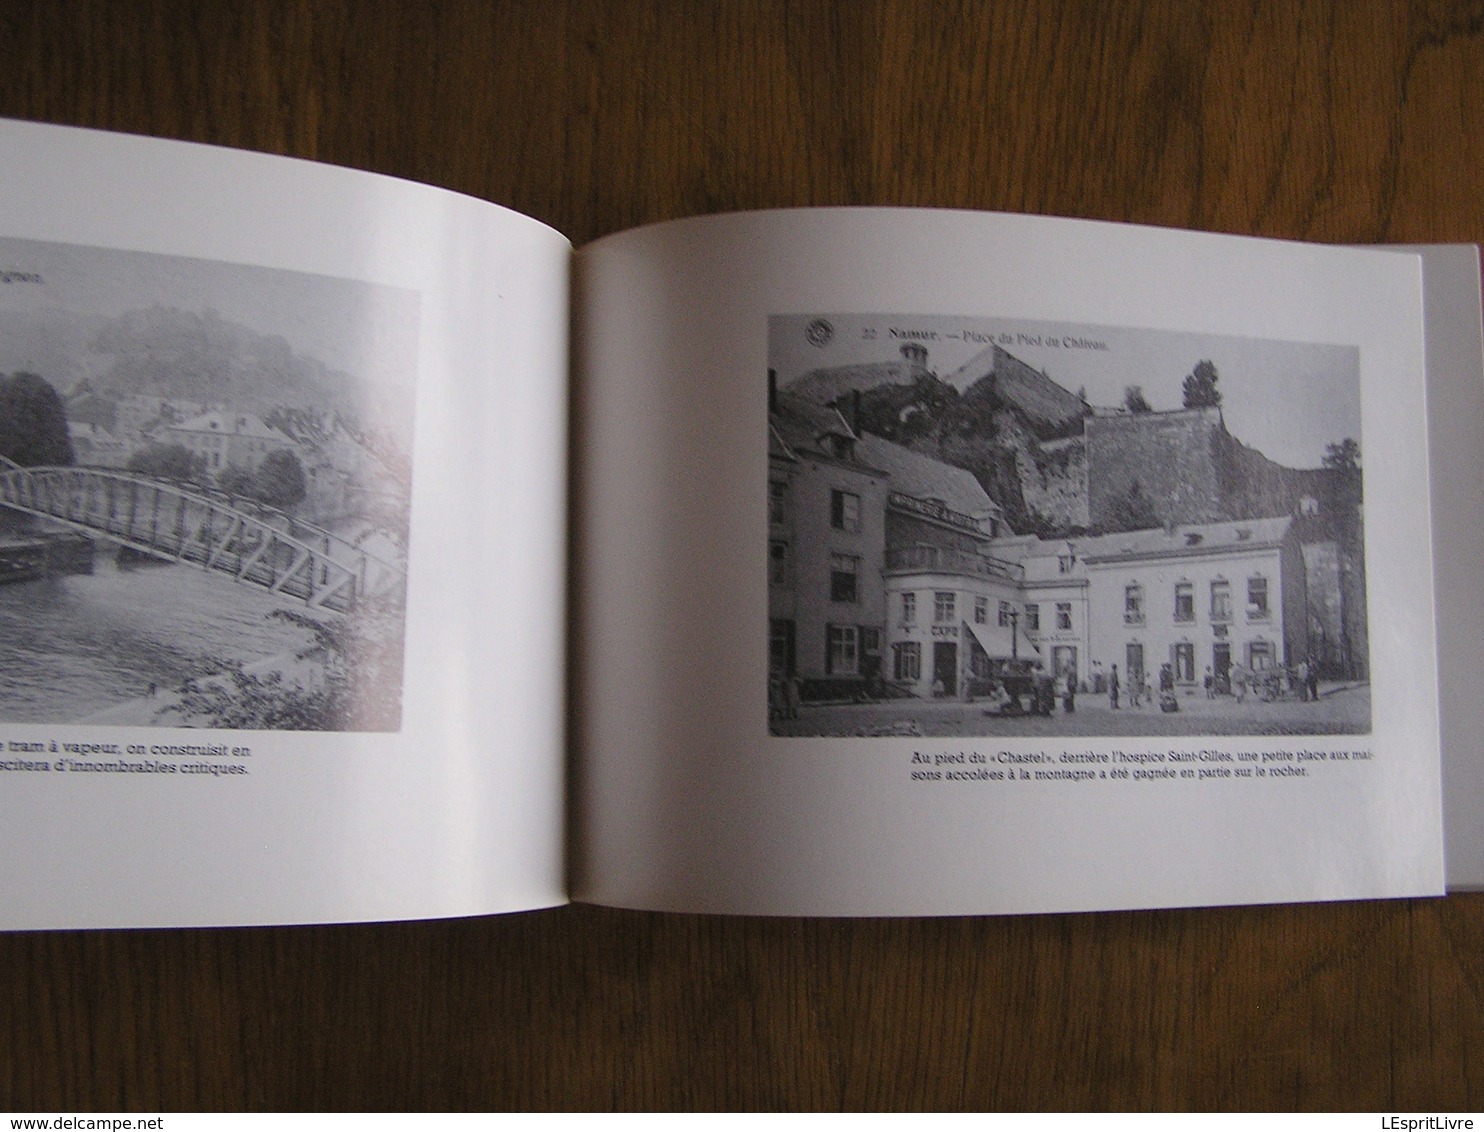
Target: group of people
(1140, 691)
(1270, 683)
(1275, 683)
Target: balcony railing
(944, 560)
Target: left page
(275, 433)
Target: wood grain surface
(1347, 122)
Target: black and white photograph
(985, 527)
(205, 477)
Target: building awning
(996, 641)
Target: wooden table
(1325, 121)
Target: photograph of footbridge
(204, 496)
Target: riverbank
(162, 708)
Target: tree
(168, 462)
(33, 423)
(1133, 399)
(280, 480)
(1200, 387)
(1343, 460)
(1344, 456)
(234, 480)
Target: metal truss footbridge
(224, 536)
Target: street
(1342, 709)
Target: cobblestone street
(1342, 709)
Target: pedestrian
(1045, 691)
(1301, 678)
(792, 696)
(1210, 684)
(1069, 701)
(1113, 688)
(1313, 678)
(1239, 681)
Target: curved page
(281, 573)
(936, 563)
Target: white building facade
(1199, 598)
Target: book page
(942, 563)
(282, 541)
(1455, 409)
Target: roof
(797, 426)
(231, 424)
(1185, 541)
(926, 478)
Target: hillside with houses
(192, 397)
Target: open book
(367, 552)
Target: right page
(1455, 409)
(945, 563)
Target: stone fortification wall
(1176, 457)
(1045, 402)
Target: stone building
(862, 533)
(1197, 597)
(826, 550)
(227, 439)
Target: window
(1257, 599)
(1133, 604)
(1033, 617)
(1183, 658)
(943, 606)
(777, 502)
(845, 511)
(871, 643)
(909, 608)
(1065, 563)
(1064, 615)
(777, 563)
(1184, 601)
(1221, 601)
(1259, 656)
(981, 611)
(1006, 615)
(844, 569)
(841, 656)
(906, 661)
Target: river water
(72, 646)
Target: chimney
(772, 391)
(915, 354)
